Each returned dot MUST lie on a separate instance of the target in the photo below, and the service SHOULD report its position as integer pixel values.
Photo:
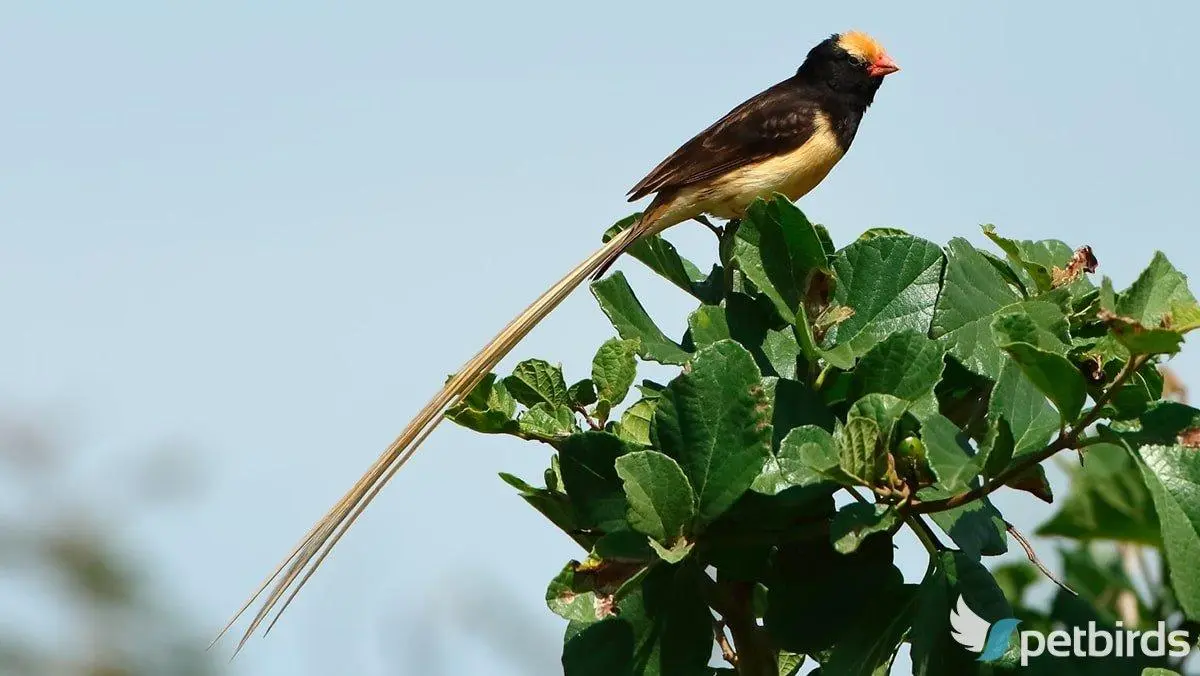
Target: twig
(926, 535)
(1064, 441)
(725, 252)
(819, 384)
(1033, 557)
(727, 652)
(703, 220)
(592, 422)
(756, 655)
(857, 496)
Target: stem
(820, 382)
(1033, 557)
(727, 652)
(732, 600)
(926, 536)
(1070, 439)
(857, 496)
(756, 656)
(725, 250)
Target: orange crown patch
(861, 45)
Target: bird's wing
(967, 628)
(774, 122)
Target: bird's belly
(793, 174)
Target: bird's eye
(857, 61)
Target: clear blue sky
(270, 231)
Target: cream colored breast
(794, 174)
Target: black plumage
(832, 80)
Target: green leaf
(1172, 474)
(715, 420)
(1035, 272)
(817, 596)
(907, 365)
(949, 454)
(672, 625)
(635, 422)
(600, 649)
(891, 283)
(751, 322)
(976, 527)
(790, 663)
(1156, 671)
(661, 257)
(872, 233)
(573, 595)
(779, 250)
(1098, 580)
(782, 351)
(631, 321)
(708, 325)
(1152, 296)
(588, 463)
(808, 455)
(489, 408)
(675, 553)
(582, 393)
(887, 411)
(796, 404)
(1016, 399)
(545, 421)
(1015, 578)
(614, 368)
(623, 546)
(1141, 340)
(858, 521)
(1033, 481)
(934, 651)
(997, 449)
(873, 643)
(534, 381)
(973, 295)
(1051, 373)
(553, 505)
(1163, 424)
(661, 502)
(1108, 500)
(862, 455)
(1038, 323)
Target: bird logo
(978, 635)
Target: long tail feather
(295, 570)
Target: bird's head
(851, 62)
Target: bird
(785, 140)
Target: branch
(732, 599)
(926, 535)
(1068, 440)
(727, 652)
(727, 237)
(1033, 557)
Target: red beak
(882, 66)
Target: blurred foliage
(916, 379)
(76, 600)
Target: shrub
(913, 378)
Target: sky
(269, 230)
